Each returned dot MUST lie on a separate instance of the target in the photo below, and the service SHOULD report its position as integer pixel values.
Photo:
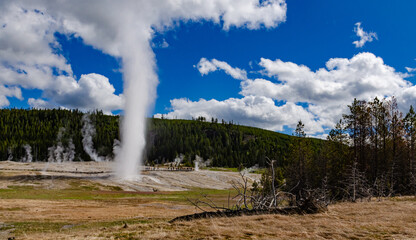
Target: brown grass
(388, 219)
(76, 211)
(87, 208)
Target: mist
(28, 153)
(60, 153)
(200, 163)
(88, 132)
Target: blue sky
(313, 33)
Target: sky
(267, 64)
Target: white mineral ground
(53, 175)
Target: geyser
(140, 89)
(124, 29)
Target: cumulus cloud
(29, 55)
(29, 59)
(294, 92)
(9, 92)
(256, 111)
(40, 103)
(328, 90)
(362, 76)
(27, 48)
(364, 36)
(206, 66)
(92, 91)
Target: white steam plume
(124, 29)
(140, 89)
(28, 156)
(116, 147)
(199, 162)
(196, 166)
(59, 153)
(250, 169)
(10, 153)
(88, 132)
(178, 160)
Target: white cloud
(28, 59)
(26, 48)
(329, 90)
(410, 69)
(40, 104)
(92, 91)
(318, 98)
(206, 66)
(106, 24)
(9, 92)
(256, 111)
(160, 44)
(362, 76)
(164, 44)
(364, 36)
(28, 56)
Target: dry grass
(86, 208)
(388, 219)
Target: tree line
(370, 152)
(224, 144)
(43, 129)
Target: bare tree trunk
(273, 187)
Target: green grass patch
(88, 193)
(259, 171)
(222, 169)
(195, 193)
(84, 185)
(22, 228)
(56, 194)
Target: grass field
(79, 208)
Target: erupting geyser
(140, 89)
(124, 29)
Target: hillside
(61, 135)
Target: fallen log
(240, 212)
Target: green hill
(226, 144)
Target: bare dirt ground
(89, 203)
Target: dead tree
(260, 199)
(356, 186)
(380, 187)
